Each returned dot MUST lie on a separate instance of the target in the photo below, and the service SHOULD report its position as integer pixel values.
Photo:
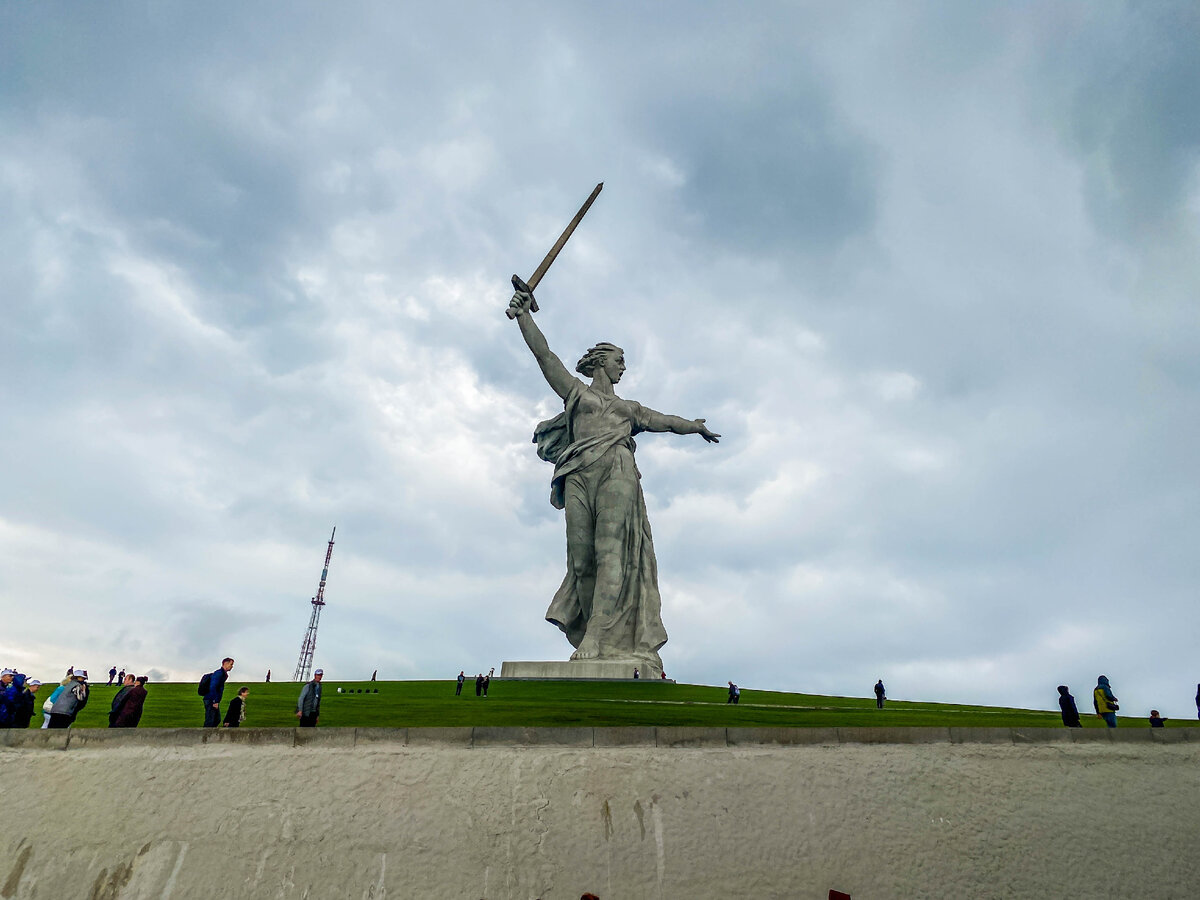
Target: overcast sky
(930, 268)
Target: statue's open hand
(519, 304)
(706, 434)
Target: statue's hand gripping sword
(527, 287)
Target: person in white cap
(308, 707)
(71, 701)
(26, 703)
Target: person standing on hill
(462, 676)
(1070, 712)
(129, 682)
(880, 694)
(235, 715)
(487, 682)
(308, 706)
(1105, 702)
(1198, 701)
(112, 673)
(71, 701)
(268, 676)
(130, 711)
(479, 685)
(26, 701)
(12, 683)
(216, 689)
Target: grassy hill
(560, 703)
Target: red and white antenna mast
(309, 647)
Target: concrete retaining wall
(625, 813)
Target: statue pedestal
(582, 670)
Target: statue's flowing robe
(597, 482)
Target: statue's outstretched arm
(656, 421)
(556, 374)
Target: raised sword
(527, 287)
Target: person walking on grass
(880, 694)
(235, 715)
(128, 682)
(1066, 703)
(462, 676)
(1198, 701)
(308, 706)
(112, 673)
(130, 711)
(1105, 702)
(71, 701)
(215, 690)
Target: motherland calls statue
(608, 604)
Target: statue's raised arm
(556, 374)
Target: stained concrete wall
(624, 813)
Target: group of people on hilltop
(212, 688)
(18, 699)
(1104, 701)
(482, 682)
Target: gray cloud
(928, 270)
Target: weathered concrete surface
(508, 813)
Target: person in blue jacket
(12, 685)
(216, 687)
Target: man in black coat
(1070, 712)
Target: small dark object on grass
(376, 691)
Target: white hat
(8, 672)
(34, 683)
(319, 672)
(80, 673)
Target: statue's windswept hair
(595, 357)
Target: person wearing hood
(1070, 712)
(71, 701)
(1105, 702)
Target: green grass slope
(559, 703)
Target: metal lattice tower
(309, 647)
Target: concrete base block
(930, 735)
(981, 735)
(1090, 735)
(395, 736)
(491, 736)
(681, 736)
(625, 736)
(324, 737)
(1042, 735)
(34, 738)
(440, 737)
(592, 669)
(793, 736)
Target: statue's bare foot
(587, 650)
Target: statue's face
(614, 365)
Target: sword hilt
(522, 287)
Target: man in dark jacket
(880, 694)
(216, 688)
(129, 713)
(26, 702)
(117, 700)
(308, 706)
(1070, 712)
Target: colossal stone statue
(608, 604)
